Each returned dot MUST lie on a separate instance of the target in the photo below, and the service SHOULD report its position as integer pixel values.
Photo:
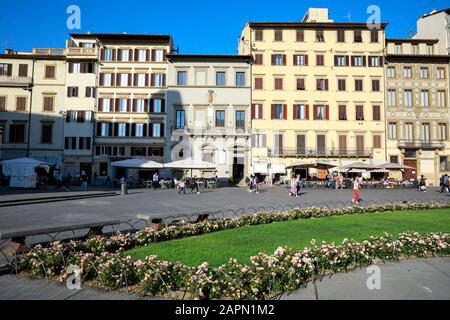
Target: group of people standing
(444, 183)
(295, 186)
(253, 184)
(186, 182)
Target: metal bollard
(123, 189)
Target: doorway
(238, 169)
(86, 167)
(411, 174)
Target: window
(391, 72)
(319, 36)
(358, 61)
(259, 140)
(220, 78)
(430, 49)
(423, 73)
(122, 105)
(72, 92)
(157, 130)
(103, 169)
(158, 55)
(300, 112)
(106, 105)
(156, 151)
(320, 112)
(84, 143)
(301, 84)
(257, 111)
(258, 59)
(407, 98)
(108, 54)
(258, 83)
(414, 49)
(46, 132)
(240, 119)
(407, 72)
(322, 84)
(140, 105)
(441, 99)
(139, 130)
(278, 35)
(139, 80)
(442, 133)
(21, 103)
(300, 60)
(375, 85)
(181, 78)
(341, 84)
(90, 92)
(398, 48)
(393, 159)
(376, 113)
(443, 163)
(359, 113)
(374, 35)
(70, 143)
(278, 83)
(159, 79)
(49, 103)
(342, 112)
(278, 111)
(300, 36)
(123, 79)
(121, 129)
(426, 132)
(408, 127)
(278, 59)
(23, 70)
(220, 118)
(138, 151)
(320, 59)
(440, 73)
(17, 133)
(377, 141)
(358, 85)
(240, 79)
(392, 97)
(50, 72)
(180, 119)
(357, 36)
(104, 129)
(340, 61)
(5, 69)
(106, 79)
(424, 98)
(340, 35)
(258, 35)
(157, 105)
(124, 55)
(374, 61)
(2, 103)
(141, 55)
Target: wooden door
(342, 145)
(410, 174)
(321, 144)
(301, 144)
(359, 144)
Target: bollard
(123, 189)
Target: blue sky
(198, 26)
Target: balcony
(75, 52)
(211, 131)
(320, 153)
(15, 81)
(421, 144)
(49, 51)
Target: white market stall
(22, 171)
(137, 164)
(190, 164)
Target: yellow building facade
(317, 92)
(417, 87)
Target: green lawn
(216, 248)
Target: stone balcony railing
(421, 144)
(320, 152)
(15, 81)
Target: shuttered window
(377, 141)
(50, 72)
(300, 36)
(258, 83)
(21, 103)
(359, 113)
(49, 103)
(376, 113)
(23, 70)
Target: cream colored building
(81, 96)
(209, 112)
(417, 91)
(32, 95)
(435, 25)
(318, 91)
(130, 114)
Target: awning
(277, 168)
(189, 164)
(261, 168)
(138, 164)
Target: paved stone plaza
(168, 202)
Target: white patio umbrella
(138, 164)
(190, 164)
(395, 166)
(360, 165)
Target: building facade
(81, 96)
(435, 25)
(417, 87)
(317, 93)
(130, 116)
(209, 111)
(32, 96)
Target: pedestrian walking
(255, 184)
(293, 188)
(356, 187)
(194, 184)
(155, 180)
(422, 184)
(182, 186)
(84, 181)
(298, 185)
(444, 183)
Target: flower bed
(265, 276)
(102, 261)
